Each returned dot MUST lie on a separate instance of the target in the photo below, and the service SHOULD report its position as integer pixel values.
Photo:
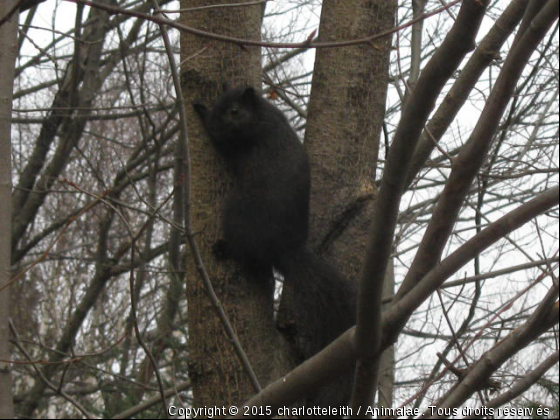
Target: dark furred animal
(265, 220)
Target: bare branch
(416, 111)
(472, 154)
(249, 42)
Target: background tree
(462, 196)
(8, 33)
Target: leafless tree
(432, 129)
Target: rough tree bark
(217, 375)
(346, 113)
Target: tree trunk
(345, 116)
(217, 375)
(8, 53)
(346, 112)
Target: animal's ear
(250, 96)
(201, 110)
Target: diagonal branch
(445, 61)
(544, 318)
(472, 155)
(525, 382)
(338, 356)
(395, 319)
(480, 60)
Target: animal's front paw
(201, 110)
(220, 249)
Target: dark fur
(265, 220)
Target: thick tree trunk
(345, 117)
(346, 112)
(217, 375)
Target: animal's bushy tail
(320, 306)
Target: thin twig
(249, 42)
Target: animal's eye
(234, 110)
